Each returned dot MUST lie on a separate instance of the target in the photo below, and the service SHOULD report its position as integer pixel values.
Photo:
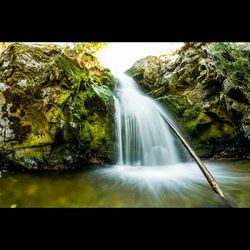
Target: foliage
(233, 59)
(89, 47)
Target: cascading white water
(144, 139)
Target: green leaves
(233, 59)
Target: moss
(76, 75)
(101, 133)
(213, 134)
(33, 153)
(89, 47)
(98, 133)
(158, 92)
(95, 133)
(77, 108)
(63, 97)
(32, 158)
(37, 138)
(99, 99)
(193, 119)
(55, 115)
(196, 122)
(191, 127)
(229, 130)
(89, 120)
(134, 72)
(218, 133)
(85, 133)
(177, 104)
(204, 119)
(62, 105)
(233, 60)
(104, 93)
(191, 113)
(21, 131)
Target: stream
(114, 186)
(152, 167)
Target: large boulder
(54, 114)
(211, 109)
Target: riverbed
(180, 185)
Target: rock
(235, 92)
(148, 67)
(53, 113)
(210, 108)
(235, 109)
(246, 125)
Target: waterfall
(143, 137)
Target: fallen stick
(211, 180)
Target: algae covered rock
(54, 114)
(210, 105)
(149, 68)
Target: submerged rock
(54, 113)
(211, 109)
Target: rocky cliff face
(213, 110)
(55, 113)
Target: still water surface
(180, 185)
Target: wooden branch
(211, 180)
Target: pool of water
(180, 185)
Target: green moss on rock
(205, 87)
(133, 72)
(194, 121)
(56, 112)
(177, 104)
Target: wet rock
(148, 67)
(210, 108)
(246, 125)
(51, 113)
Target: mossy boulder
(211, 109)
(54, 113)
(148, 68)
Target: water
(143, 137)
(177, 186)
(151, 170)
(150, 157)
